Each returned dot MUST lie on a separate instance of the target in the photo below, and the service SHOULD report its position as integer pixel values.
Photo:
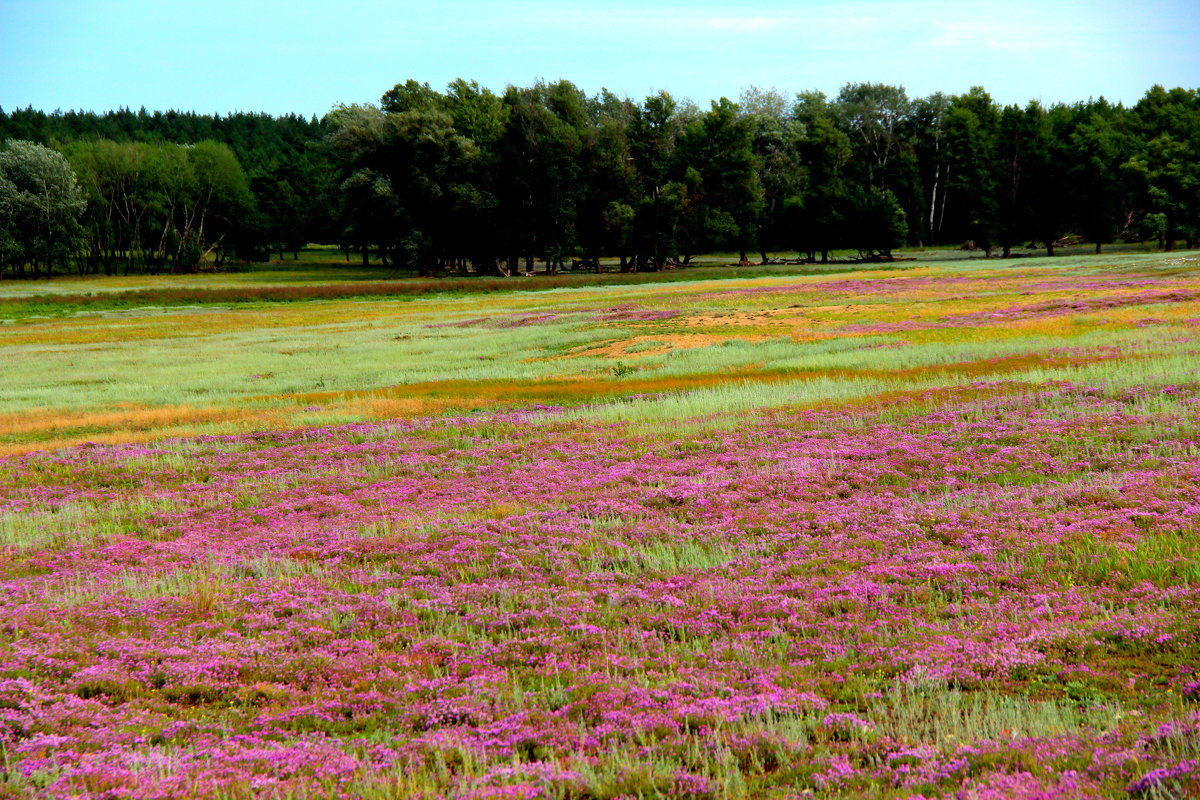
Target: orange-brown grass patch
(491, 393)
(52, 429)
(938, 395)
(127, 416)
(1016, 363)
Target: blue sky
(303, 56)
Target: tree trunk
(1050, 249)
(1007, 251)
(942, 213)
(937, 171)
(1099, 246)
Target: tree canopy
(431, 180)
(40, 204)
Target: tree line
(430, 180)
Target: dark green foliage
(539, 162)
(781, 172)
(470, 180)
(280, 207)
(819, 214)
(406, 181)
(974, 169)
(878, 222)
(1165, 167)
(926, 130)
(720, 168)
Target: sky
(305, 57)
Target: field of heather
(899, 533)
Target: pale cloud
(1003, 37)
(999, 37)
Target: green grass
(281, 345)
(65, 296)
(73, 525)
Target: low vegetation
(897, 533)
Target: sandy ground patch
(655, 344)
(781, 317)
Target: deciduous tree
(40, 205)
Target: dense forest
(468, 178)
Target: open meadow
(919, 530)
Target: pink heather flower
(1163, 778)
(846, 722)
(839, 769)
